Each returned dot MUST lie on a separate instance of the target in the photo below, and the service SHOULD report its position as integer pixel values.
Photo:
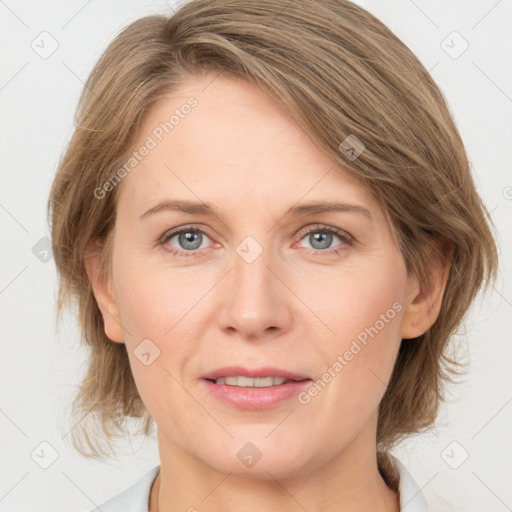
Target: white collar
(411, 497)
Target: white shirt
(136, 497)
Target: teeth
(249, 382)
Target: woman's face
(271, 286)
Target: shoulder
(133, 499)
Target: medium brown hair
(338, 71)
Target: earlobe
(101, 287)
(424, 299)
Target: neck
(344, 484)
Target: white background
(39, 366)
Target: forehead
(222, 138)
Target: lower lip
(256, 398)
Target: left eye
(320, 239)
(188, 239)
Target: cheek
(360, 302)
(153, 301)
(159, 312)
(364, 308)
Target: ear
(102, 289)
(423, 302)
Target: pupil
(189, 238)
(317, 237)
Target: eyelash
(319, 228)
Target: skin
(297, 306)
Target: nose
(257, 304)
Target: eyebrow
(196, 208)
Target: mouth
(242, 381)
(260, 388)
(255, 377)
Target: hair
(338, 71)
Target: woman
(267, 218)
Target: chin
(254, 456)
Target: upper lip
(266, 371)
